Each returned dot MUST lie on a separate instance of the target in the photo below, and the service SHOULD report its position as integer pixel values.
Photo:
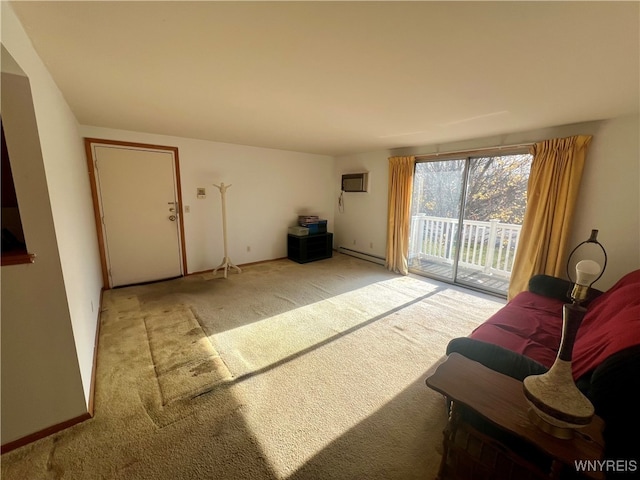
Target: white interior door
(138, 199)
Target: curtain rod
(474, 150)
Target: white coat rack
(226, 262)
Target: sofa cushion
(612, 323)
(530, 324)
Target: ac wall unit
(354, 182)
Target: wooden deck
(493, 284)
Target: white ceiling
(339, 77)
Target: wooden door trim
(88, 143)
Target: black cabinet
(310, 247)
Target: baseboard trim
(362, 255)
(21, 442)
(261, 262)
(94, 368)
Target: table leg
(449, 435)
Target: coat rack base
(225, 266)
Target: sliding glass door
(466, 219)
(436, 207)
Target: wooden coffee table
(499, 400)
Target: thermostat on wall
(201, 193)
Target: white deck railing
(486, 246)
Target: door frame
(97, 209)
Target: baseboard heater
(363, 256)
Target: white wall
(361, 224)
(269, 189)
(609, 198)
(49, 308)
(71, 204)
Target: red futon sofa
(523, 338)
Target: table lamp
(557, 405)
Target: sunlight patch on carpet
(263, 343)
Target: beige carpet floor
(284, 371)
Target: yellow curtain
(553, 186)
(400, 188)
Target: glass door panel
(436, 206)
(494, 205)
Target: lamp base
(563, 433)
(559, 407)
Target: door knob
(172, 218)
